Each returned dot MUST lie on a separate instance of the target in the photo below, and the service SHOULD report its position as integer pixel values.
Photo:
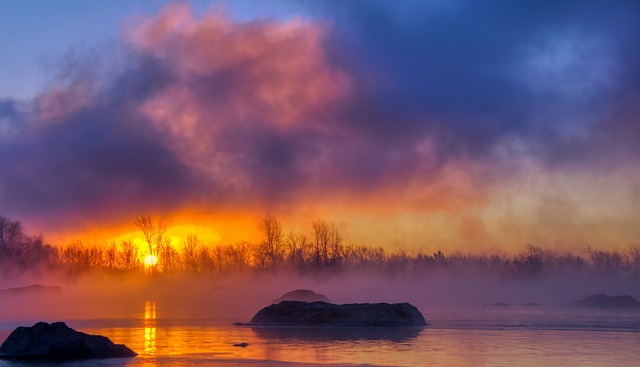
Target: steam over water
(188, 321)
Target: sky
(456, 125)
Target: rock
(604, 301)
(58, 341)
(32, 289)
(530, 304)
(304, 295)
(241, 345)
(288, 313)
(498, 304)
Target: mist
(231, 298)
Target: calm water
(475, 336)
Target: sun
(150, 260)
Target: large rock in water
(289, 313)
(604, 301)
(304, 295)
(58, 341)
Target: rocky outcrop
(604, 301)
(303, 295)
(57, 341)
(291, 313)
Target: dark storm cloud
(474, 73)
(101, 155)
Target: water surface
(472, 336)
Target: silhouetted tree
(111, 256)
(169, 258)
(321, 236)
(205, 260)
(530, 263)
(154, 232)
(11, 237)
(241, 255)
(605, 262)
(634, 259)
(298, 249)
(271, 250)
(236, 257)
(128, 256)
(335, 245)
(190, 250)
(147, 227)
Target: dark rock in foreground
(295, 313)
(57, 341)
(604, 301)
(303, 295)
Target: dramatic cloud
(480, 75)
(438, 122)
(246, 101)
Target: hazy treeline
(20, 251)
(322, 250)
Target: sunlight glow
(150, 260)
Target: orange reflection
(150, 327)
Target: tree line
(321, 250)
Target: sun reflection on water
(465, 341)
(150, 328)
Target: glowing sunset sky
(429, 124)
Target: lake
(471, 336)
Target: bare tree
(235, 257)
(111, 256)
(146, 226)
(11, 236)
(154, 232)
(335, 245)
(128, 255)
(260, 256)
(271, 247)
(241, 255)
(190, 251)
(297, 249)
(166, 254)
(328, 248)
(634, 259)
(162, 242)
(205, 259)
(321, 242)
(170, 258)
(606, 262)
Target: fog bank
(238, 297)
